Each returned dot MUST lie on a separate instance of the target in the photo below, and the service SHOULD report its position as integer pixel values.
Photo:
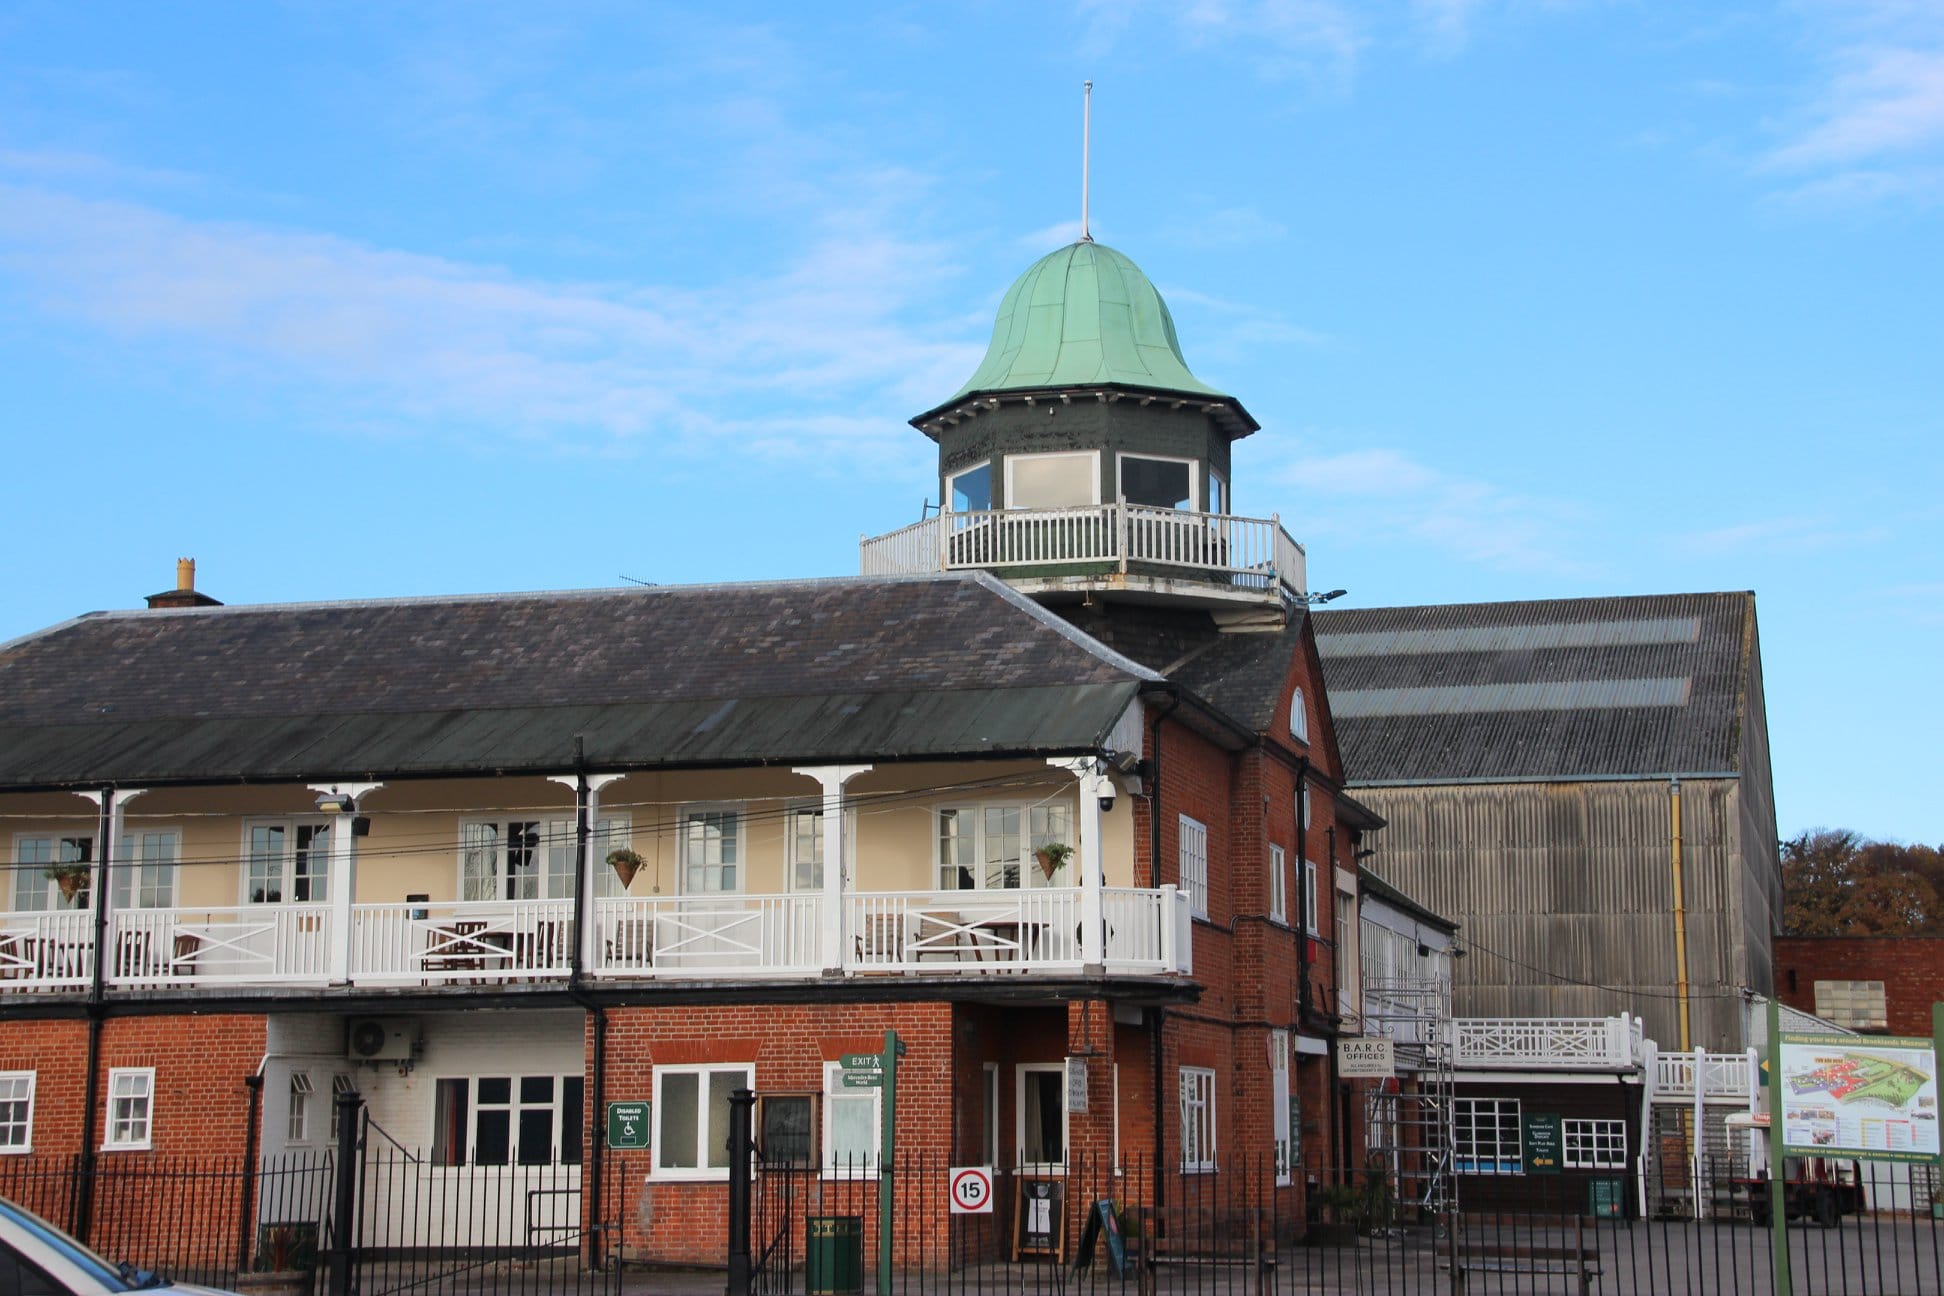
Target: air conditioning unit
(381, 1039)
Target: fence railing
(1724, 1076)
(1557, 1043)
(48, 951)
(1248, 555)
(264, 944)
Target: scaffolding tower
(1408, 1118)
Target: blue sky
(1532, 299)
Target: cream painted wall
(413, 847)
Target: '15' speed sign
(972, 1190)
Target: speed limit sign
(972, 1190)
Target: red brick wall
(1910, 967)
(201, 1104)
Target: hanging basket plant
(70, 877)
(1051, 856)
(625, 863)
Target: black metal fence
(1090, 1226)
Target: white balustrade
(957, 931)
(1246, 553)
(1724, 1076)
(1542, 1043)
(41, 950)
(708, 936)
(461, 941)
(259, 944)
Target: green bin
(833, 1255)
(1606, 1198)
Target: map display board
(1869, 1097)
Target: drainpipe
(1309, 919)
(81, 1211)
(1680, 914)
(1158, 1016)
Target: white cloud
(1793, 534)
(432, 340)
(1380, 494)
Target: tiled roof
(804, 671)
(1560, 688)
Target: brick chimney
(184, 594)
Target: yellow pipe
(1680, 917)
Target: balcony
(1722, 1077)
(953, 934)
(1546, 1043)
(1212, 558)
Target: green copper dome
(1084, 316)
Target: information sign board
(627, 1124)
(1872, 1098)
(1542, 1143)
(1366, 1059)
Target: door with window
(713, 926)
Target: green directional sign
(861, 1061)
(627, 1124)
(1542, 1144)
(862, 1070)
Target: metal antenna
(1086, 144)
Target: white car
(37, 1259)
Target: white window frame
(1466, 1145)
(32, 891)
(1593, 1143)
(1192, 847)
(286, 860)
(1299, 717)
(989, 1078)
(472, 845)
(1281, 1142)
(340, 1084)
(795, 815)
(1039, 824)
(135, 1131)
(703, 1071)
(297, 1124)
(1310, 898)
(1194, 477)
(515, 1106)
(1278, 884)
(1093, 476)
(17, 1131)
(698, 811)
(145, 869)
(1020, 1072)
(951, 487)
(1218, 493)
(834, 1095)
(1196, 1087)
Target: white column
(1095, 784)
(107, 855)
(588, 933)
(833, 778)
(344, 865)
(1701, 1210)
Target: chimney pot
(185, 573)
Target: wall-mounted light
(335, 802)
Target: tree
(1836, 884)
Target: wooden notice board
(1039, 1219)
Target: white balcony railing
(1546, 1043)
(1724, 1076)
(947, 933)
(1247, 555)
(46, 951)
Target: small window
(16, 1111)
(508, 1120)
(852, 1126)
(131, 1097)
(711, 850)
(33, 890)
(1859, 1005)
(970, 491)
(786, 1134)
(1485, 1136)
(1310, 899)
(1158, 483)
(1594, 1144)
(1194, 865)
(1042, 1117)
(298, 1128)
(1217, 493)
(1197, 1120)
(145, 872)
(1299, 716)
(691, 1117)
(1278, 897)
(1052, 480)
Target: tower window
(1159, 483)
(1052, 480)
(971, 490)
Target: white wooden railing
(46, 951)
(1246, 554)
(264, 944)
(945, 933)
(471, 940)
(1724, 1076)
(1546, 1043)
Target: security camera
(1107, 801)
